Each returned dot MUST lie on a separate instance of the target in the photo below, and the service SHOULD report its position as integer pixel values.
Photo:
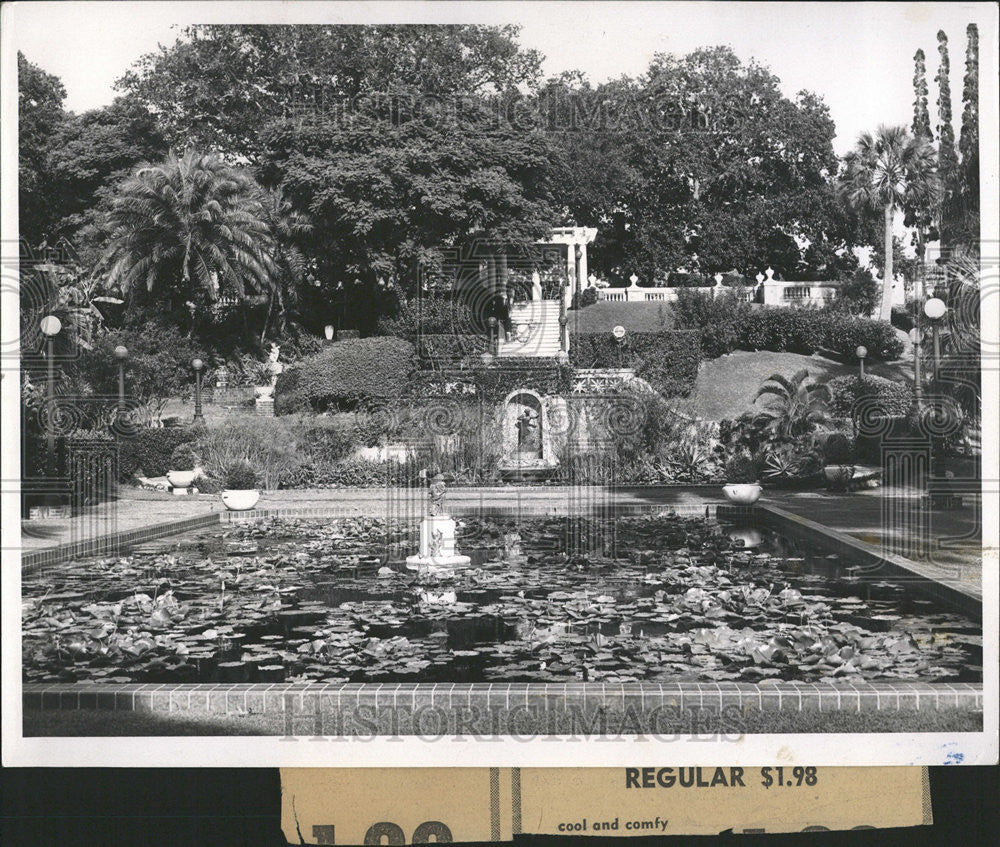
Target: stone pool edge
(940, 586)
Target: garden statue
(437, 555)
(512, 548)
(527, 426)
(437, 543)
(274, 367)
(536, 286)
(437, 489)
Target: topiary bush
(239, 476)
(184, 457)
(667, 360)
(343, 373)
(877, 397)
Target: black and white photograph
(514, 384)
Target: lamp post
(935, 309)
(861, 352)
(50, 326)
(121, 354)
(915, 338)
(197, 364)
(619, 333)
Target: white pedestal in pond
(437, 546)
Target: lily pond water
(657, 598)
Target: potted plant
(742, 487)
(240, 490)
(838, 455)
(183, 463)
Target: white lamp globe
(935, 308)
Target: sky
(857, 56)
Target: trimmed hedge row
(667, 360)
(344, 373)
(727, 324)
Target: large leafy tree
(188, 230)
(702, 163)
(883, 174)
(40, 112)
(93, 152)
(217, 85)
(388, 191)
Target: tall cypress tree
(921, 119)
(947, 157)
(968, 141)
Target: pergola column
(571, 267)
(584, 275)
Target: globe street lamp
(197, 364)
(50, 326)
(861, 352)
(619, 334)
(121, 354)
(935, 309)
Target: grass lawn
(86, 722)
(726, 386)
(605, 316)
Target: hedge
(726, 324)
(344, 373)
(149, 450)
(880, 397)
(445, 349)
(667, 360)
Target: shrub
(239, 476)
(184, 457)
(587, 297)
(667, 360)
(158, 364)
(878, 397)
(148, 451)
(838, 449)
(742, 468)
(858, 295)
(344, 373)
(844, 333)
(678, 279)
(717, 318)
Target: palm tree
(792, 407)
(289, 229)
(192, 224)
(885, 173)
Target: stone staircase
(535, 330)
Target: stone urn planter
(180, 480)
(263, 392)
(240, 499)
(742, 493)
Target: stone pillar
(491, 275)
(502, 272)
(584, 275)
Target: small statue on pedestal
(437, 489)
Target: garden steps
(536, 330)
